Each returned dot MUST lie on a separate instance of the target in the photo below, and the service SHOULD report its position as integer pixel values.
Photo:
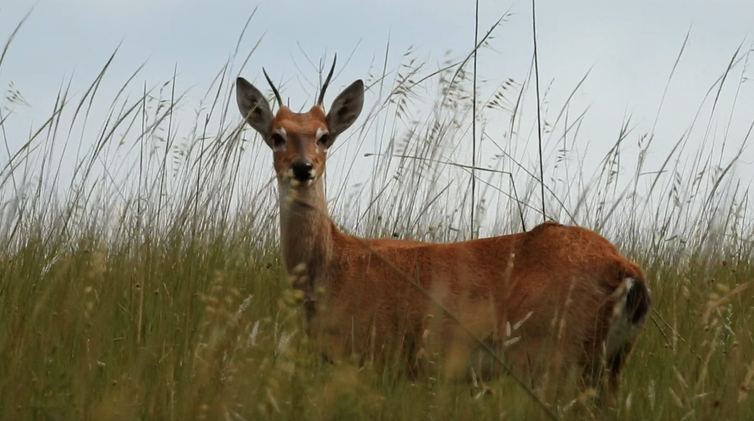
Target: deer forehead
(304, 124)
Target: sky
(628, 49)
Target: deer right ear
(254, 107)
(346, 108)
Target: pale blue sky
(630, 47)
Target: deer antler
(274, 90)
(327, 82)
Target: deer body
(548, 299)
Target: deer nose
(303, 170)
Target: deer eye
(324, 140)
(277, 140)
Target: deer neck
(306, 231)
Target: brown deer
(552, 298)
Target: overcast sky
(630, 47)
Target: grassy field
(161, 295)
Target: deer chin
(295, 183)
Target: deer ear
(254, 107)
(346, 108)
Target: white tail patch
(622, 330)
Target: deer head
(299, 141)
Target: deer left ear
(346, 108)
(254, 107)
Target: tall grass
(141, 279)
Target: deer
(548, 300)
